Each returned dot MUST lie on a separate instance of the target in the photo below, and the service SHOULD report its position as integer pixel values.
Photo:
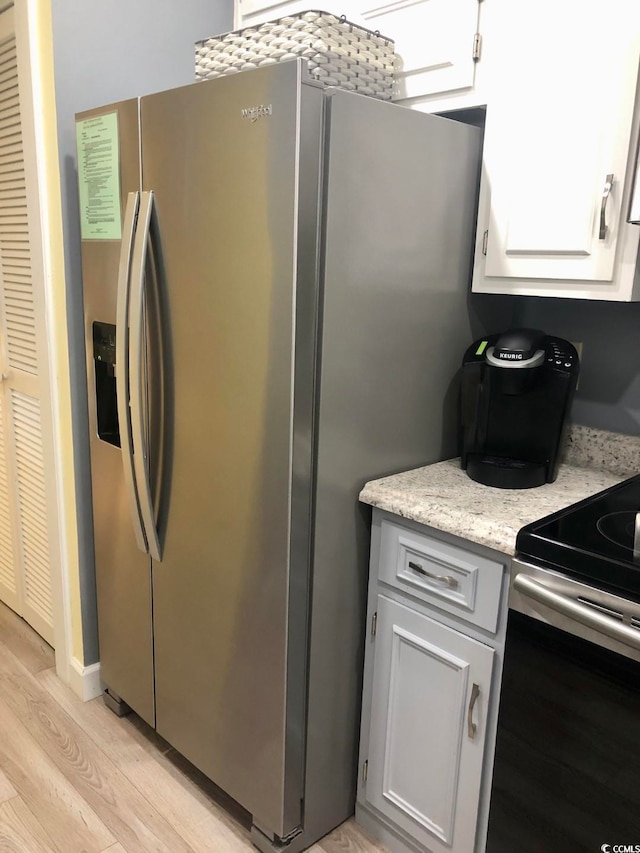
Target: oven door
(567, 763)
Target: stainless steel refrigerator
(275, 290)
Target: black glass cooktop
(591, 540)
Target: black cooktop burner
(591, 540)
(619, 528)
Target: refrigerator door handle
(122, 365)
(136, 354)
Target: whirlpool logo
(255, 113)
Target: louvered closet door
(25, 578)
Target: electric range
(592, 540)
(566, 773)
(579, 569)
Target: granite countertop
(444, 497)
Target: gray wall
(106, 52)
(608, 395)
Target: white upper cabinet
(559, 80)
(558, 153)
(248, 12)
(435, 40)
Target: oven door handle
(579, 612)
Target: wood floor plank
(143, 734)
(183, 792)
(7, 791)
(348, 838)
(162, 777)
(185, 796)
(20, 832)
(122, 808)
(74, 760)
(59, 808)
(34, 653)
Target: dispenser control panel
(106, 402)
(104, 342)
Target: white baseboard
(85, 680)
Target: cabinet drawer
(448, 577)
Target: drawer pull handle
(447, 579)
(471, 726)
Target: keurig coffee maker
(517, 389)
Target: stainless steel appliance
(567, 767)
(517, 389)
(277, 319)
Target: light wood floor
(76, 779)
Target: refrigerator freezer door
(123, 576)
(222, 159)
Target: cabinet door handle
(603, 205)
(634, 204)
(447, 579)
(471, 726)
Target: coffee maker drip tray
(501, 472)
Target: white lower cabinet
(427, 727)
(429, 702)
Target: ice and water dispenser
(104, 360)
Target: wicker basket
(338, 53)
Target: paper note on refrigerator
(99, 177)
